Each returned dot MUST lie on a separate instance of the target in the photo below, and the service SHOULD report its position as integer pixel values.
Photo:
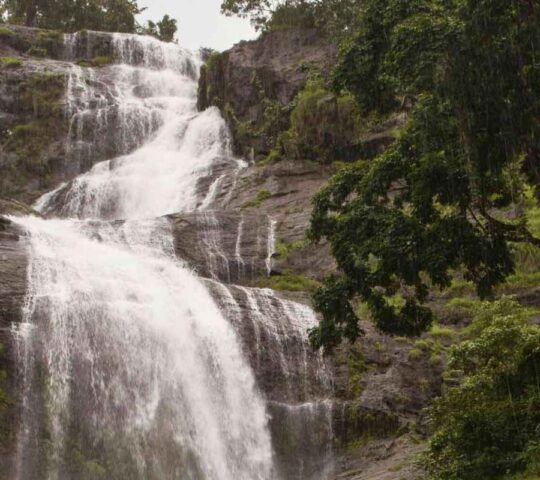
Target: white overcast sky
(200, 23)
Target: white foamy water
(138, 353)
(129, 366)
(145, 103)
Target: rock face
(13, 268)
(274, 68)
(58, 117)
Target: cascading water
(131, 366)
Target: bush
(37, 51)
(10, 62)
(288, 282)
(324, 127)
(488, 425)
(5, 32)
(290, 15)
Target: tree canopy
(73, 15)
(333, 16)
(165, 29)
(435, 201)
(486, 427)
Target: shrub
(37, 51)
(6, 32)
(10, 62)
(262, 195)
(487, 425)
(324, 127)
(288, 281)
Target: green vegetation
(287, 281)
(262, 196)
(334, 17)
(41, 96)
(437, 197)
(324, 127)
(70, 16)
(101, 61)
(6, 32)
(37, 51)
(487, 426)
(284, 249)
(164, 30)
(67, 15)
(10, 62)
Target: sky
(200, 23)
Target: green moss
(284, 249)
(42, 93)
(37, 52)
(6, 32)
(442, 332)
(101, 61)
(465, 303)
(423, 383)
(435, 359)
(50, 35)
(521, 280)
(262, 196)
(424, 344)
(460, 288)
(10, 62)
(415, 354)
(82, 62)
(357, 368)
(324, 127)
(288, 282)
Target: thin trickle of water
(270, 244)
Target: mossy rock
(6, 33)
(37, 51)
(10, 62)
(15, 208)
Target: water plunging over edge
(130, 340)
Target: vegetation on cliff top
(72, 16)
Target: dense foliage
(435, 201)
(164, 30)
(332, 16)
(73, 15)
(324, 127)
(489, 425)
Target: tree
(434, 201)
(487, 426)
(165, 29)
(73, 15)
(333, 16)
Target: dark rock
(271, 67)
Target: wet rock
(227, 246)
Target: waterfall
(131, 365)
